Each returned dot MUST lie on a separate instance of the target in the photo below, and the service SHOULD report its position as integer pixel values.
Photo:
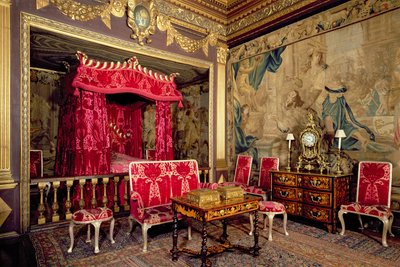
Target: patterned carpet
(305, 246)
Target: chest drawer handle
(315, 214)
(316, 199)
(284, 193)
(283, 179)
(315, 182)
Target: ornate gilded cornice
(189, 17)
(340, 16)
(277, 9)
(84, 12)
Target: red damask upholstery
(373, 195)
(242, 172)
(270, 209)
(153, 183)
(90, 215)
(184, 177)
(264, 180)
(271, 206)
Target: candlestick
(289, 137)
(339, 134)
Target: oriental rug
(305, 246)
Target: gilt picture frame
(142, 18)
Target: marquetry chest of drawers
(311, 195)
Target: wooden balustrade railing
(72, 193)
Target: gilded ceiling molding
(189, 17)
(273, 11)
(186, 43)
(142, 19)
(84, 12)
(340, 16)
(5, 105)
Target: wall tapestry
(190, 125)
(349, 77)
(44, 109)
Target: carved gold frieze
(270, 12)
(186, 43)
(84, 12)
(190, 18)
(141, 19)
(340, 16)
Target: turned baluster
(206, 177)
(82, 200)
(105, 199)
(126, 206)
(94, 201)
(116, 180)
(68, 204)
(41, 209)
(56, 216)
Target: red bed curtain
(83, 146)
(125, 124)
(164, 149)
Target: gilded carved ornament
(187, 44)
(142, 19)
(345, 14)
(222, 54)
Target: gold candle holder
(339, 134)
(289, 138)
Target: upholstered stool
(95, 217)
(270, 208)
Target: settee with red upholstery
(153, 183)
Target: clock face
(309, 139)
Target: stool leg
(265, 222)
(270, 221)
(71, 236)
(96, 236)
(189, 229)
(251, 224)
(88, 234)
(112, 231)
(284, 223)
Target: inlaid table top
(215, 211)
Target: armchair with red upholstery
(153, 183)
(373, 196)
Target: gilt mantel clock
(310, 139)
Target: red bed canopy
(83, 146)
(127, 77)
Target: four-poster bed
(93, 132)
(101, 137)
